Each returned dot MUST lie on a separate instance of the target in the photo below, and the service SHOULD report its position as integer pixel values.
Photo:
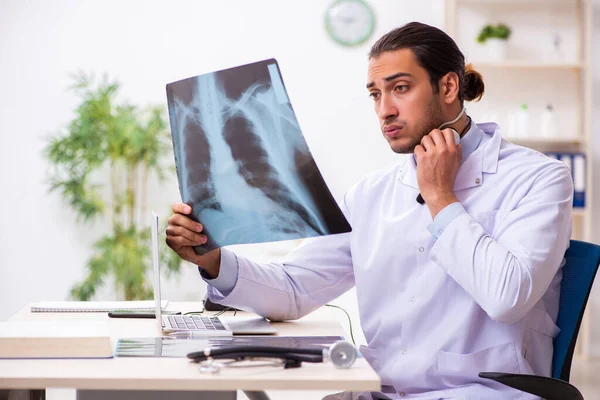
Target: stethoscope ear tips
(342, 354)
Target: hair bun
(474, 86)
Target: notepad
(95, 306)
(50, 339)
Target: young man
(455, 252)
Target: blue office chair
(578, 275)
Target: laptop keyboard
(195, 322)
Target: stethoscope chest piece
(210, 367)
(342, 354)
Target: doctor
(464, 278)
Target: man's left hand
(438, 159)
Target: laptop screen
(156, 268)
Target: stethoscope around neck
(448, 123)
(342, 354)
(420, 199)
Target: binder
(579, 180)
(577, 165)
(567, 159)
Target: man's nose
(387, 109)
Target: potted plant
(101, 168)
(494, 37)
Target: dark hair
(437, 53)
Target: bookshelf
(548, 61)
(528, 65)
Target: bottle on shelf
(548, 123)
(523, 131)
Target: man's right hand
(183, 233)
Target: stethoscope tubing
(241, 355)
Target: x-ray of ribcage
(243, 164)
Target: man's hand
(183, 233)
(438, 159)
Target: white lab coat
(483, 297)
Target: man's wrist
(438, 202)
(210, 263)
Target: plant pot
(496, 49)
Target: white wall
(145, 45)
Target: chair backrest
(582, 261)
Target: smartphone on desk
(138, 314)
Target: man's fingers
(182, 208)
(186, 222)
(419, 150)
(437, 137)
(173, 244)
(427, 143)
(193, 237)
(179, 243)
(448, 135)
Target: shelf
(519, 2)
(527, 65)
(548, 141)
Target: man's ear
(449, 86)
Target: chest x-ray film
(242, 161)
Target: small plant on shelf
(494, 38)
(500, 31)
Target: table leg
(21, 394)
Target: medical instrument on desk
(342, 354)
(457, 136)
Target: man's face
(404, 100)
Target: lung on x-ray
(242, 161)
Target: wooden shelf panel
(523, 3)
(547, 141)
(524, 64)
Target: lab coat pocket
(540, 331)
(499, 358)
(486, 220)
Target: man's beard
(433, 119)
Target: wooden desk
(178, 374)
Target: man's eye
(374, 95)
(401, 88)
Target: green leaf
(93, 165)
(500, 31)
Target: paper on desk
(95, 306)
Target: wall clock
(350, 22)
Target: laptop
(200, 325)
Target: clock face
(350, 22)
